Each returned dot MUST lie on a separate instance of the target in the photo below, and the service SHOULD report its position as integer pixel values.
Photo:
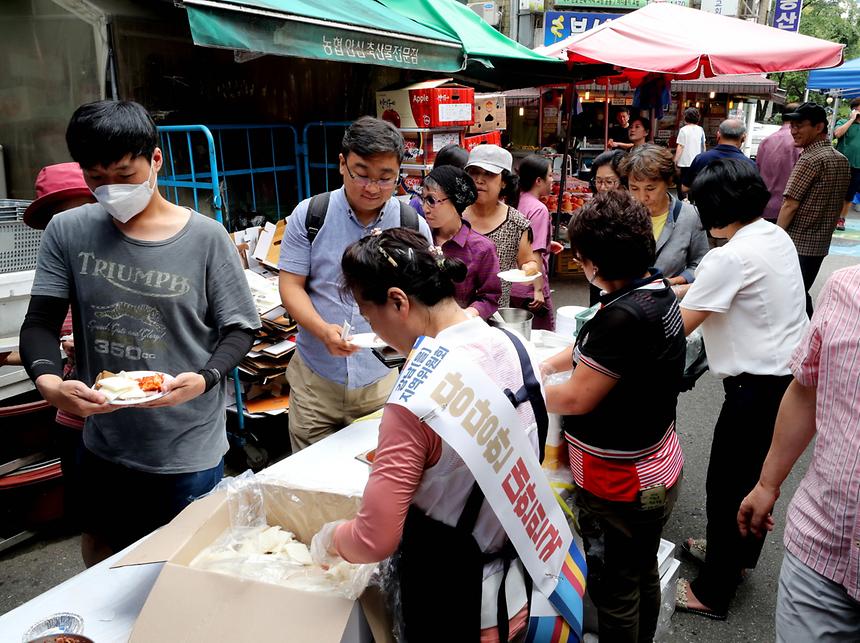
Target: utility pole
(763, 11)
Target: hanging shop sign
(559, 25)
(601, 4)
(721, 7)
(786, 15)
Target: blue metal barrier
(190, 177)
(323, 141)
(249, 169)
(195, 181)
(260, 168)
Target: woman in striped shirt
(619, 413)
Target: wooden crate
(566, 265)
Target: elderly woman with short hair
(749, 300)
(681, 241)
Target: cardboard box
(268, 248)
(413, 179)
(492, 138)
(422, 147)
(192, 605)
(490, 113)
(567, 265)
(434, 103)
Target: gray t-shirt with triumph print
(148, 305)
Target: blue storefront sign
(786, 15)
(558, 25)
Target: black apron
(440, 569)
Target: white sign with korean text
(721, 7)
(475, 418)
(453, 112)
(441, 139)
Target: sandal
(681, 605)
(695, 548)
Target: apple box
(434, 103)
(422, 146)
(492, 138)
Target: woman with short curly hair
(619, 412)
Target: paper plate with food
(367, 340)
(518, 276)
(131, 387)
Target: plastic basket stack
(19, 243)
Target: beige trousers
(319, 407)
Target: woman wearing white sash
(420, 494)
(619, 413)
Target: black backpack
(318, 208)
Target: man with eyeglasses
(333, 382)
(813, 195)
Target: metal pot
(513, 319)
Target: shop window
(47, 69)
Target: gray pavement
(35, 567)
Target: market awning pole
(832, 124)
(565, 154)
(606, 117)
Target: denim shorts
(120, 505)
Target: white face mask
(124, 201)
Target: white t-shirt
(754, 289)
(692, 137)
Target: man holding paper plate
(332, 381)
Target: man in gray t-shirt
(152, 287)
(153, 306)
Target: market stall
(845, 79)
(718, 98)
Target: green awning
(492, 59)
(479, 39)
(357, 31)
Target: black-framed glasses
(365, 181)
(432, 201)
(607, 182)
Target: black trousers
(809, 267)
(621, 541)
(742, 439)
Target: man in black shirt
(618, 137)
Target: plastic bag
(251, 548)
(696, 360)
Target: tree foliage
(833, 20)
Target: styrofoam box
(664, 556)
(14, 299)
(669, 569)
(668, 581)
